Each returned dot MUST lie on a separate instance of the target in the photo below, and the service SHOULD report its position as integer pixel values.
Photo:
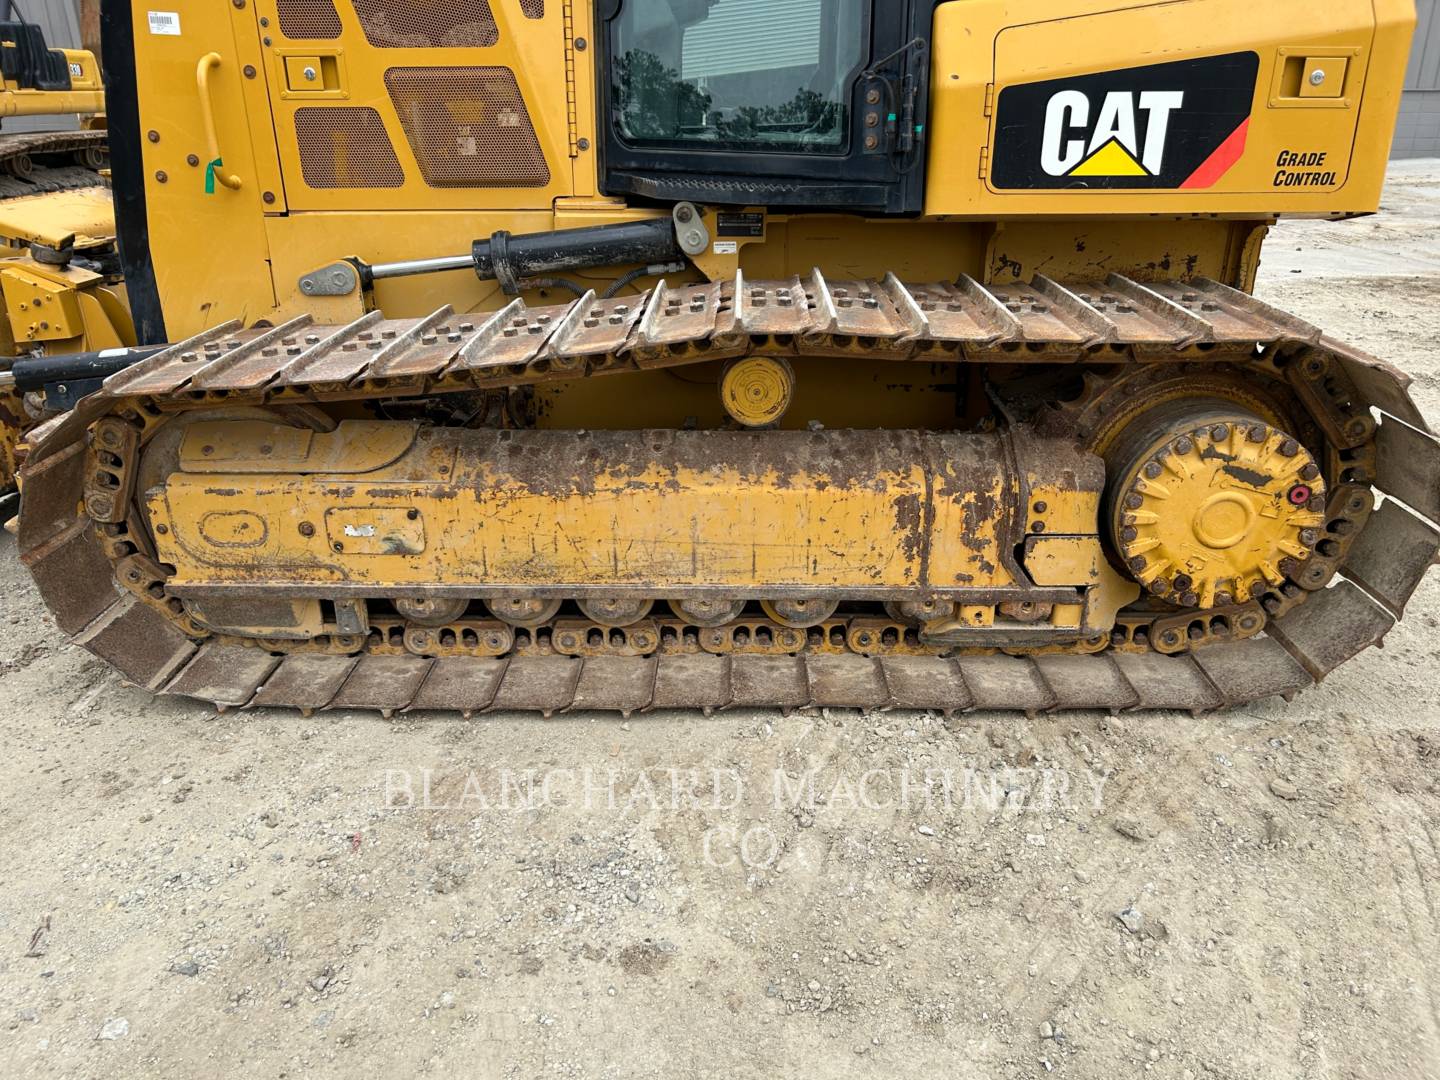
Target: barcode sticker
(726, 247)
(165, 22)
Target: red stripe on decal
(1222, 160)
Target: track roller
(707, 613)
(801, 614)
(615, 611)
(528, 612)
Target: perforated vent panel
(346, 147)
(533, 9)
(427, 24)
(468, 126)
(312, 19)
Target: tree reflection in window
(736, 74)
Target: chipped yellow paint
(1063, 560)
(852, 512)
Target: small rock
(632, 894)
(813, 986)
(1283, 789)
(926, 830)
(1047, 1030)
(1131, 919)
(1154, 1054)
(188, 968)
(115, 1028)
(321, 980)
(1135, 829)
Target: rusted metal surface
(1392, 555)
(1101, 321)
(1332, 627)
(1408, 467)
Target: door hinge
(572, 116)
(984, 162)
(989, 98)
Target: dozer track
(38, 162)
(85, 541)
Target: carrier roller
(1295, 579)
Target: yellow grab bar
(213, 167)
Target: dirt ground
(1247, 895)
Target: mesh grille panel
(427, 24)
(533, 9)
(468, 126)
(345, 147)
(308, 18)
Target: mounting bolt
(1317, 77)
(249, 70)
(153, 135)
(306, 529)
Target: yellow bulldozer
(61, 290)
(649, 354)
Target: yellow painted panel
(855, 511)
(983, 46)
(660, 529)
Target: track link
(1338, 603)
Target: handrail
(213, 167)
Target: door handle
(214, 167)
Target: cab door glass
(759, 75)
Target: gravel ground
(1248, 895)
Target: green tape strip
(210, 176)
